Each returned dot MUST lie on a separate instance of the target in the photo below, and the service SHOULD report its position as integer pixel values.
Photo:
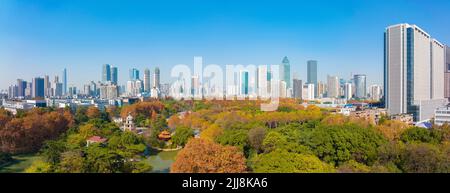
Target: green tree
(282, 161)
(52, 150)
(256, 137)
(233, 137)
(419, 134)
(182, 135)
(71, 162)
(338, 144)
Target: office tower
(106, 73)
(375, 92)
(156, 79)
(38, 88)
(447, 73)
(134, 74)
(13, 91)
(321, 89)
(243, 83)
(87, 90)
(312, 75)
(285, 72)
(57, 88)
(413, 72)
(348, 91)
(29, 90)
(93, 87)
(297, 88)
(360, 86)
(21, 86)
(147, 80)
(46, 86)
(308, 92)
(64, 77)
(333, 86)
(114, 76)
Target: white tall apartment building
(348, 94)
(413, 72)
(333, 86)
(375, 92)
(308, 92)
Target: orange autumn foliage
(203, 156)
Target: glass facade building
(312, 75)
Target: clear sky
(42, 37)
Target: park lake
(159, 160)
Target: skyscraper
(312, 75)
(333, 86)
(114, 76)
(147, 80)
(21, 86)
(134, 74)
(263, 83)
(285, 72)
(413, 72)
(64, 77)
(243, 83)
(297, 88)
(106, 73)
(348, 91)
(447, 73)
(360, 86)
(156, 79)
(46, 86)
(38, 88)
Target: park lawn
(20, 163)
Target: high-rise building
(108, 91)
(47, 86)
(147, 87)
(348, 91)
(156, 78)
(243, 83)
(64, 79)
(134, 74)
(114, 75)
(375, 92)
(21, 86)
(262, 81)
(413, 72)
(106, 73)
(447, 73)
(312, 75)
(38, 88)
(13, 91)
(297, 88)
(94, 89)
(333, 87)
(308, 92)
(360, 86)
(285, 72)
(321, 89)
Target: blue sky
(346, 36)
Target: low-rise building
(442, 115)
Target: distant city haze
(39, 38)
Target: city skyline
(155, 40)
